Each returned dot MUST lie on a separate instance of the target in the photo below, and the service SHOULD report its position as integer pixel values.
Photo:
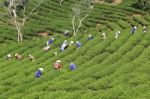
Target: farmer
(78, 44)
(50, 41)
(18, 57)
(117, 34)
(72, 66)
(104, 36)
(133, 29)
(71, 43)
(66, 33)
(9, 56)
(57, 65)
(90, 37)
(145, 29)
(39, 72)
(31, 57)
(64, 45)
(46, 48)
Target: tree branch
(33, 9)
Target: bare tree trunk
(20, 38)
(60, 2)
(73, 25)
(80, 22)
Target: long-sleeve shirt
(38, 73)
(78, 44)
(72, 66)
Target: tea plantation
(106, 69)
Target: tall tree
(15, 11)
(80, 12)
(143, 4)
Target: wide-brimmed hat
(41, 69)
(16, 54)
(103, 33)
(52, 38)
(58, 61)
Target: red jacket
(57, 65)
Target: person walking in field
(9, 57)
(31, 57)
(78, 44)
(18, 56)
(117, 34)
(72, 66)
(57, 65)
(50, 41)
(39, 72)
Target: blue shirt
(50, 41)
(38, 73)
(72, 66)
(133, 29)
(78, 44)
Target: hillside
(106, 69)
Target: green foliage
(106, 69)
(143, 4)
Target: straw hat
(77, 41)
(52, 38)
(41, 69)
(16, 54)
(103, 33)
(90, 35)
(58, 61)
(65, 40)
(9, 55)
(72, 42)
(119, 32)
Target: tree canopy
(142, 4)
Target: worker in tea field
(18, 56)
(31, 57)
(133, 29)
(90, 37)
(117, 34)
(66, 33)
(64, 45)
(46, 48)
(57, 65)
(104, 36)
(39, 72)
(71, 43)
(78, 44)
(50, 41)
(9, 57)
(72, 66)
(145, 29)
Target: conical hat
(58, 61)
(41, 69)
